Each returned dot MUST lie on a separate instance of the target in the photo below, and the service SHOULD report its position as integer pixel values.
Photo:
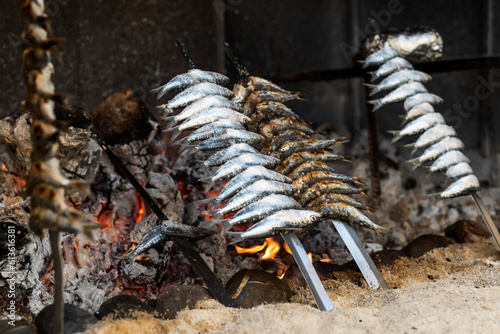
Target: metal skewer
(307, 269)
(361, 257)
(487, 218)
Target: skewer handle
(363, 260)
(487, 218)
(306, 267)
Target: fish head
(314, 217)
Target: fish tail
(374, 88)
(160, 91)
(176, 132)
(396, 135)
(170, 121)
(341, 140)
(377, 104)
(414, 163)
(236, 236)
(208, 200)
(380, 230)
(363, 63)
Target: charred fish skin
(305, 181)
(337, 198)
(326, 187)
(260, 209)
(265, 96)
(280, 221)
(298, 158)
(286, 136)
(192, 77)
(288, 148)
(347, 213)
(280, 124)
(309, 166)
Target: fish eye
(314, 218)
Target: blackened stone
(122, 306)
(425, 243)
(387, 257)
(250, 288)
(21, 327)
(76, 320)
(177, 298)
(465, 231)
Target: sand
(447, 290)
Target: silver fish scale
(391, 66)
(190, 78)
(197, 92)
(229, 153)
(440, 139)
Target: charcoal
(76, 320)
(178, 298)
(122, 306)
(466, 231)
(426, 243)
(250, 288)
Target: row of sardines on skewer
(303, 158)
(253, 192)
(437, 140)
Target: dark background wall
(117, 44)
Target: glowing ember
(75, 245)
(326, 260)
(282, 275)
(142, 258)
(4, 168)
(287, 248)
(140, 209)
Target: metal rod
(58, 283)
(432, 67)
(371, 120)
(194, 258)
(487, 218)
(185, 54)
(361, 257)
(306, 267)
(242, 71)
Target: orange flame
(142, 258)
(272, 249)
(4, 168)
(310, 256)
(140, 209)
(251, 250)
(326, 260)
(75, 245)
